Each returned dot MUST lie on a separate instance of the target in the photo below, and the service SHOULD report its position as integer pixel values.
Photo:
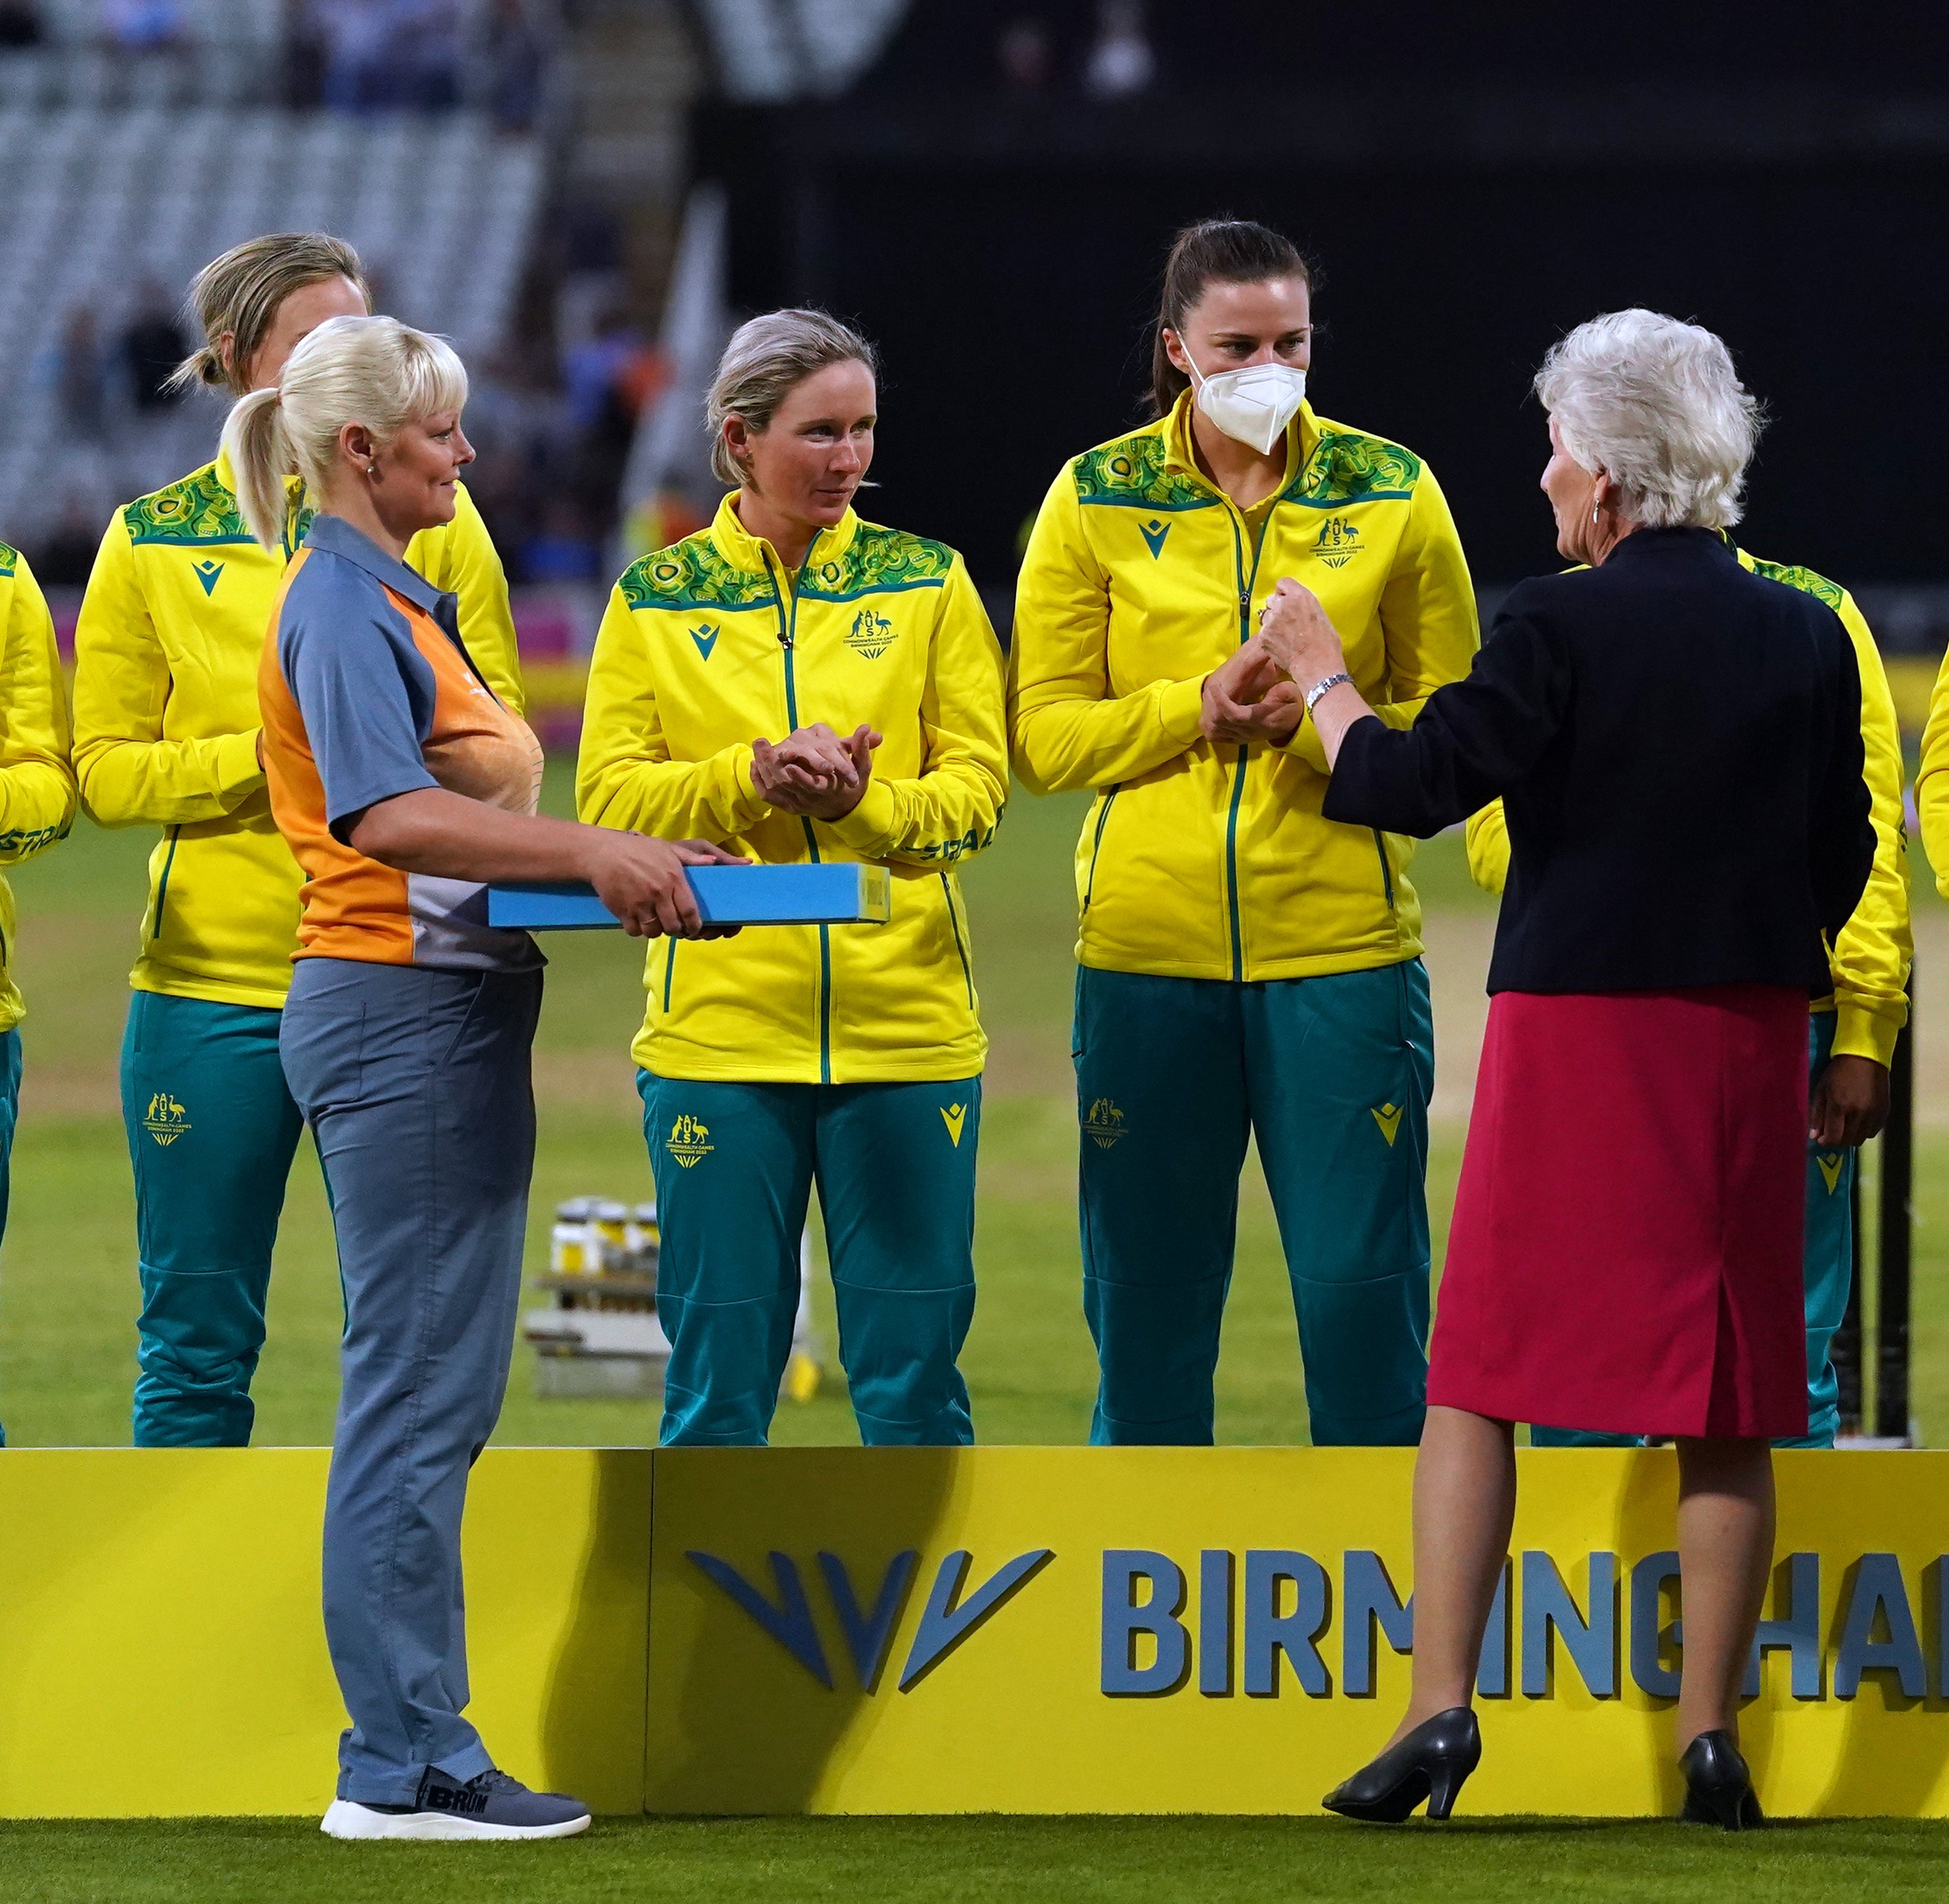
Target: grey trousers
(416, 1083)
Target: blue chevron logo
(1153, 533)
(705, 638)
(947, 1620)
(206, 572)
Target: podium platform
(993, 1629)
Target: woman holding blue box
(402, 783)
(848, 1055)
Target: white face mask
(1252, 405)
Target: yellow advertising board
(162, 1652)
(985, 1630)
(1222, 1630)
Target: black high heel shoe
(1431, 1763)
(1718, 1785)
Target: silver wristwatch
(1331, 682)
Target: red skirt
(1625, 1255)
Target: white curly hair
(1654, 404)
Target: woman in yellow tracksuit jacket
(1851, 1034)
(166, 733)
(848, 1054)
(36, 796)
(1247, 968)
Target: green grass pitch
(982, 1861)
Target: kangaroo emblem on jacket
(1338, 542)
(872, 635)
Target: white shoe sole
(344, 1819)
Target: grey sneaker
(492, 1806)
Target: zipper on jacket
(163, 885)
(1096, 844)
(669, 972)
(1245, 579)
(960, 944)
(788, 645)
(1387, 871)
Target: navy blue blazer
(1677, 745)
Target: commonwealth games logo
(689, 1140)
(1103, 1123)
(165, 1120)
(1338, 542)
(872, 635)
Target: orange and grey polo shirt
(367, 692)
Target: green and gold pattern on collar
(691, 574)
(197, 510)
(298, 517)
(1347, 466)
(877, 562)
(1805, 580)
(1132, 474)
(10, 557)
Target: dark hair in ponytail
(1216, 250)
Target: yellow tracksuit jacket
(1198, 861)
(37, 795)
(1932, 782)
(1870, 962)
(166, 720)
(713, 641)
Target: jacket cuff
(866, 828)
(1307, 745)
(235, 759)
(748, 806)
(1179, 707)
(1860, 1032)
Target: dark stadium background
(1470, 182)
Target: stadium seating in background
(100, 200)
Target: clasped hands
(1258, 697)
(815, 771)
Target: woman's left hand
(1850, 1104)
(1299, 636)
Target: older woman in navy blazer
(1677, 744)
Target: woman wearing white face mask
(1247, 968)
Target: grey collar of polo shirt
(336, 536)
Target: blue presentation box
(839, 895)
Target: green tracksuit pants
(1331, 1076)
(735, 1165)
(1827, 1265)
(212, 1131)
(10, 1106)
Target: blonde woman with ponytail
(401, 782)
(166, 736)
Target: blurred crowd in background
(349, 55)
(554, 405)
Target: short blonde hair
(237, 296)
(375, 371)
(1654, 404)
(765, 358)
